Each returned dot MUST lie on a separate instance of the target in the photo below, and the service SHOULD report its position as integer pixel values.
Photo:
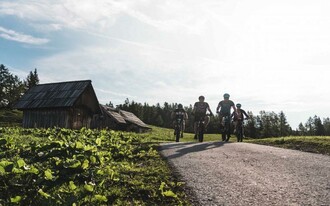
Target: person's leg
(174, 126)
(183, 126)
(195, 129)
(220, 118)
(207, 120)
(235, 125)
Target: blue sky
(269, 55)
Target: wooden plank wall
(46, 118)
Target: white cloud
(267, 55)
(19, 37)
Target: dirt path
(249, 174)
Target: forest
(261, 125)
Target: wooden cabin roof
(61, 94)
(124, 117)
(112, 112)
(130, 117)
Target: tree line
(262, 125)
(12, 87)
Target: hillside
(10, 117)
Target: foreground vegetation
(91, 167)
(85, 167)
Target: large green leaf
(89, 187)
(101, 198)
(72, 163)
(21, 163)
(15, 199)
(98, 141)
(79, 145)
(7, 165)
(42, 193)
(85, 164)
(72, 186)
(48, 174)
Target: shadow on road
(188, 147)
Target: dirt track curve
(219, 173)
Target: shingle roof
(61, 94)
(113, 113)
(122, 116)
(130, 117)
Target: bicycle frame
(239, 130)
(226, 128)
(201, 129)
(178, 129)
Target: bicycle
(178, 129)
(201, 129)
(226, 128)
(239, 130)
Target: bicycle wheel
(177, 134)
(201, 132)
(238, 135)
(227, 131)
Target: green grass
(314, 144)
(158, 134)
(9, 118)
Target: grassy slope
(163, 134)
(315, 144)
(10, 117)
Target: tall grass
(314, 144)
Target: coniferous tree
(31, 80)
(110, 104)
(285, 129)
(251, 126)
(319, 128)
(302, 130)
(326, 125)
(310, 127)
(11, 87)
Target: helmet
(238, 105)
(201, 97)
(180, 106)
(226, 96)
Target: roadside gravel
(219, 173)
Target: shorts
(198, 117)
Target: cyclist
(199, 111)
(239, 114)
(179, 112)
(225, 106)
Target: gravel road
(219, 173)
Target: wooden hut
(64, 104)
(134, 124)
(111, 119)
(118, 119)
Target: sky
(268, 55)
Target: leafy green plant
(78, 167)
